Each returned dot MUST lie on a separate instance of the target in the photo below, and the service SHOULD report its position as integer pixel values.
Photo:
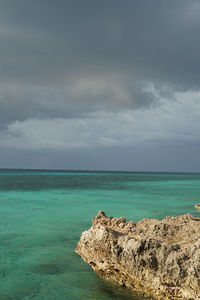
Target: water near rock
(159, 258)
(42, 215)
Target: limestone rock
(158, 258)
(197, 206)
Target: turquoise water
(42, 215)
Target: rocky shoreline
(158, 258)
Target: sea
(43, 213)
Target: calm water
(42, 215)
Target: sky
(100, 85)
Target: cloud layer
(88, 75)
(174, 120)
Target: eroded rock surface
(197, 206)
(158, 258)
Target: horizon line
(96, 171)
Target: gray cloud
(165, 123)
(68, 63)
(157, 40)
(76, 98)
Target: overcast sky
(100, 84)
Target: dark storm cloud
(76, 98)
(48, 47)
(109, 73)
(48, 40)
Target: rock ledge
(158, 258)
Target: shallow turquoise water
(42, 215)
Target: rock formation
(197, 206)
(158, 258)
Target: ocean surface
(42, 214)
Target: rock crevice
(158, 258)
